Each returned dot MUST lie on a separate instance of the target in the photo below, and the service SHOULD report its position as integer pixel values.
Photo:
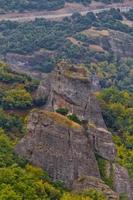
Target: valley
(66, 100)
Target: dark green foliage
(22, 5)
(28, 37)
(117, 108)
(62, 111)
(74, 118)
(117, 74)
(112, 14)
(129, 15)
(10, 123)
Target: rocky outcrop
(122, 182)
(73, 88)
(121, 43)
(59, 146)
(90, 182)
(64, 148)
(116, 42)
(28, 63)
(102, 143)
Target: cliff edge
(67, 149)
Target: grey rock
(122, 181)
(90, 182)
(59, 146)
(64, 148)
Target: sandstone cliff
(64, 148)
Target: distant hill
(22, 5)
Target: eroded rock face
(73, 88)
(102, 143)
(122, 182)
(59, 146)
(121, 43)
(64, 148)
(91, 182)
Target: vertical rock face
(102, 143)
(59, 146)
(122, 182)
(73, 88)
(64, 148)
(92, 182)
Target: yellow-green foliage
(124, 154)
(68, 196)
(117, 109)
(16, 98)
(19, 181)
(26, 184)
(90, 194)
(16, 89)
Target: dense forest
(28, 37)
(18, 179)
(22, 5)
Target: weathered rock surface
(121, 43)
(64, 148)
(116, 42)
(73, 88)
(91, 182)
(102, 143)
(122, 182)
(59, 146)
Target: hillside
(66, 108)
(20, 6)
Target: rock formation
(64, 148)
(122, 182)
(59, 146)
(92, 182)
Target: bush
(74, 118)
(62, 111)
(16, 98)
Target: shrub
(16, 98)
(62, 111)
(74, 118)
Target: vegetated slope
(21, 5)
(49, 41)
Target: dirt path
(65, 12)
